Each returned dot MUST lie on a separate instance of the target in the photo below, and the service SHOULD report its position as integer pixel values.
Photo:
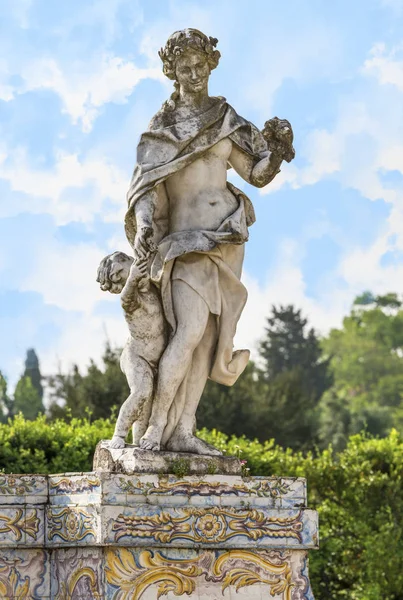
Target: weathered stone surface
(103, 535)
(131, 460)
(181, 291)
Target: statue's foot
(151, 440)
(117, 442)
(191, 443)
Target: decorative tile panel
(147, 525)
(23, 489)
(77, 574)
(99, 536)
(24, 574)
(81, 490)
(196, 490)
(148, 574)
(72, 526)
(21, 525)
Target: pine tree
(27, 399)
(296, 374)
(5, 400)
(28, 393)
(288, 346)
(33, 372)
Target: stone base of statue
(131, 459)
(104, 535)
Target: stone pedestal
(113, 536)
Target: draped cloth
(208, 261)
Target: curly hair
(177, 43)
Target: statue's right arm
(130, 296)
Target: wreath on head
(183, 40)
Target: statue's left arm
(257, 172)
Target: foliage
(5, 400)
(297, 375)
(237, 409)
(359, 496)
(27, 397)
(302, 391)
(50, 447)
(279, 400)
(97, 392)
(32, 371)
(367, 363)
(287, 345)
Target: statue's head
(113, 272)
(188, 58)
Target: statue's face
(113, 272)
(118, 275)
(192, 71)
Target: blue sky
(80, 80)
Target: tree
(288, 346)
(234, 410)
(367, 363)
(27, 399)
(32, 371)
(296, 374)
(280, 399)
(5, 400)
(28, 392)
(97, 391)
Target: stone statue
(144, 315)
(187, 225)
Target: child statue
(120, 274)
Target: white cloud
(372, 113)
(70, 190)
(386, 66)
(65, 275)
(87, 86)
(20, 12)
(6, 89)
(81, 339)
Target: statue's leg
(192, 315)
(140, 425)
(140, 378)
(183, 438)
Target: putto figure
(190, 224)
(141, 304)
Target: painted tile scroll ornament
(70, 525)
(201, 525)
(67, 485)
(77, 574)
(68, 587)
(17, 486)
(131, 576)
(22, 575)
(20, 523)
(264, 489)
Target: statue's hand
(143, 245)
(138, 270)
(279, 136)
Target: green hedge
(43, 446)
(358, 493)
